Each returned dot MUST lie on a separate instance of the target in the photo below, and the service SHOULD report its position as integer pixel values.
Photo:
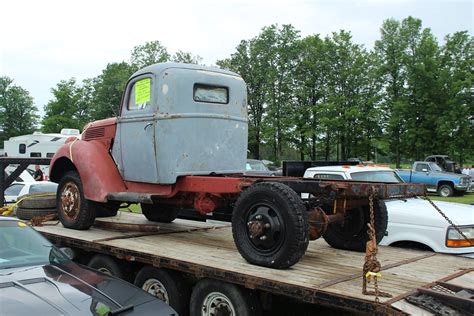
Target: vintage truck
(436, 180)
(181, 141)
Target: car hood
(70, 289)
(421, 212)
(450, 174)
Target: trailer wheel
(351, 234)
(270, 225)
(211, 297)
(107, 265)
(159, 212)
(167, 285)
(74, 211)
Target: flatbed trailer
(325, 276)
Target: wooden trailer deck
(324, 276)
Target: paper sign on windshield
(142, 91)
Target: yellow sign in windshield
(142, 91)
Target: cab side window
(328, 176)
(140, 95)
(421, 166)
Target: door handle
(148, 125)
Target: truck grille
(92, 133)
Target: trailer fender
(93, 162)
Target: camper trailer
(38, 145)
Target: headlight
(454, 239)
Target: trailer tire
(212, 297)
(37, 202)
(29, 213)
(74, 211)
(107, 265)
(161, 213)
(167, 285)
(284, 237)
(352, 234)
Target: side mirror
(68, 252)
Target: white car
(412, 222)
(17, 189)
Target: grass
(468, 198)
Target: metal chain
(371, 233)
(425, 196)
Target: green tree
(108, 90)
(186, 57)
(18, 115)
(70, 107)
(148, 54)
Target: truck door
(420, 175)
(136, 126)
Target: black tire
(29, 213)
(285, 237)
(74, 211)
(107, 265)
(459, 193)
(37, 202)
(445, 190)
(352, 233)
(167, 285)
(212, 297)
(161, 213)
(106, 209)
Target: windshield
(376, 176)
(255, 165)
(435, 167)
(21, 245)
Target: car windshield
(376, 176)
(255, 165)
(435, 167)
(21, 245)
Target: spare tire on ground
(28, 213)
(37, 201)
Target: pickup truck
(436, 180)
(412, 222)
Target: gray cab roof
(160, 67)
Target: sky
(43, 42)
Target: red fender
(93, 162)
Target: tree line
(310, 97)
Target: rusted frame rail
(22, 163)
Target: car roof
(351, 169)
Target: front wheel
(160, 213)
(74, 211)
(270, 225)
(445, 190)
(351, 233)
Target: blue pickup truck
(436, 180)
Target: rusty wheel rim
(70, 200)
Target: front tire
(211, 297)
(351, 234)
(270, 225)
(445, 190)
(74, 211)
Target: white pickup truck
(412, 222)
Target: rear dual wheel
(270, 225)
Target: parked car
(36, 278)
(413, 221)
(255, 167)
(17, 189)
(435, 179)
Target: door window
(14, 189)
(421, 166)
(140, 95)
